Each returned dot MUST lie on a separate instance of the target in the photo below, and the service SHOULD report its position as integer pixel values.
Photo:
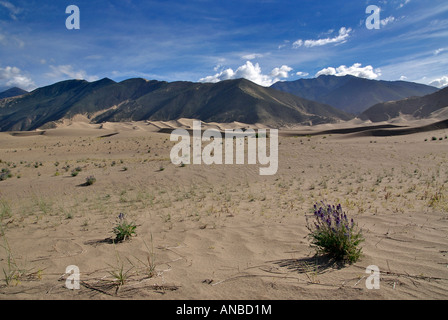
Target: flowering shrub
(5, 174)
(90, 180)
(332, 233)
(124, 230)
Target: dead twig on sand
(407, 275)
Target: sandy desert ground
(218, 231)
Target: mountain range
(139, 99)
(352, 94)
(432, 105)
(239, 100)
(12, 92)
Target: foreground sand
(218, 232)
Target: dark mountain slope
(140, 99)
(226, 101)
(46, 104)
(13, 92)
(352, 94)
(418, 107)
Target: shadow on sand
(316, 264)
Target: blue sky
(201, 40)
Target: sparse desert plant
(45, 206)
(13, 273)
(149, 267)
(437, 200)
(124, 230)
(5, 174)
(75, 171)
(332, 233)
(120, 276)
(5, 210)
(90, 180)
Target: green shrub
(124, 230)
(90, 180)
(333, 234)
(5, 174)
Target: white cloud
(403, 4)
(342, 37)
(403, 78)
(330, 71)
(440, 50)
(64, 71)
(282, 72)
(13, 77)
(440, 83)
(250, 72)
(297, 43)
(252, 56)
(13, 10)
(356, 70)
(385, 22)
(284, 44)
(302, 74)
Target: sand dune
(221, 231)
(342, 127)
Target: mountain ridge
(417, 107)
(352, 94)
(12, 92)
(140, 99)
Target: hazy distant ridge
(352, 94)
(12, 92)
(432, 105)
